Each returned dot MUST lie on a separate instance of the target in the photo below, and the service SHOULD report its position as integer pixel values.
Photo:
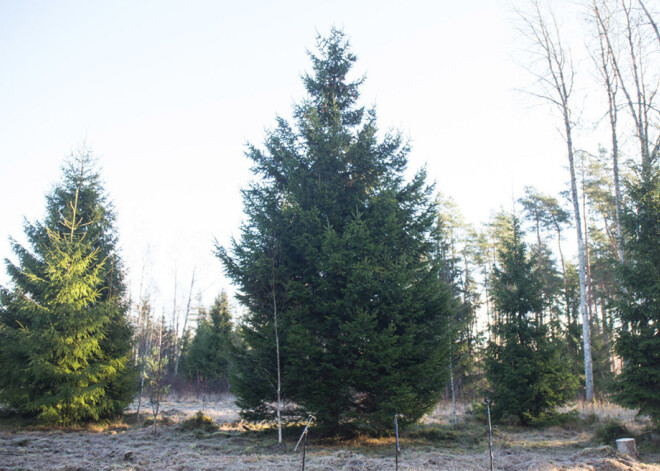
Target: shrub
(199, 422)
(612, 430)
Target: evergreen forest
(361, 292)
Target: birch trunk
(277, 354)
(586, 327)
(563, 270)
(610, 87)
(587, 254)
(654, 25)
(557, 79)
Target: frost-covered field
(231, 447)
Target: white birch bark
(557, 86)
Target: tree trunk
(627, 446)
(651, 20)
(277, 353)
(639, 105)
(610, 81)
(558, 75)
(586, 326)
(587, 254)
(488, 313)
(563, 272)
(179, 350)
(175, 315)
(140, 396)
(453, 390)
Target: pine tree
(527, 375)
(457, 249)
(638, 301)
(93, 219)
(335, 265)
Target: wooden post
(490, 434)
(303, 438)
(397, 450)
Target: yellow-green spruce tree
(65, 338)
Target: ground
(228, 444)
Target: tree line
(365, 294)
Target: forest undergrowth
(198, 434)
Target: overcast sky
(167, 94)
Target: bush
(477, 411)
(609, 432)
(199, 422)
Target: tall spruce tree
(92, 219)
(347, 316)
(637, 304)
(527, 376)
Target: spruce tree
(335, 266)
(94, 228)
(53, 325)
(81, 175)
(637, 304)
(207, 356)
(527, 376)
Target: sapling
(155, 371)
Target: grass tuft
(199, 423)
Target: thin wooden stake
(397, 449)
(490, 433)
(303, 438)
(304, 451)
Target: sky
(167, 95)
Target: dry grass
(232, 445)
(607, 411)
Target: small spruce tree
(207, 355)
(527, 376)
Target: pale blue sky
(168, 93)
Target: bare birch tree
(556, 79)
(650, 19)
(636, 67)
(604, 59)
